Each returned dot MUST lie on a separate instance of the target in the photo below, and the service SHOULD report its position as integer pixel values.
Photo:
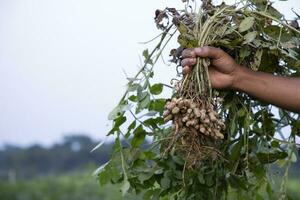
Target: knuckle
(188, 53)
(192, 61)
(206, 49)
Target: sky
(62, 63)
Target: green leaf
(296, 127)
(268, 125)
(237, 182)
(145, 176)
(236, 151)
(244, 52)
(241, 112)
(131, 126)
(293, 157)
(125, 187)
(275, 144)
(104, 176)
(182, 28)
(165, 182)
(117, 123)
(139, 137)
(117, 111)
(274, 12)
(133, 98)
(156, 89)
(271, 157)
(178, 160)
(246, 24)
(133, 87)
(142, 95)
(146, 54)
(201, 178)
(154, 122)
(233, 126)
(145, 102)
(249, 37)
(157, 105)
(151, 113)
(269, 190)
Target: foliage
(74, 186)
(73, 153)
(256, 35)
(63, 187)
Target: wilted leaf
(249, 37)
(246, 24)
(257, 60)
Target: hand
(223, 70)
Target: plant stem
(157, 47)
(277, 20)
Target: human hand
(223, 70)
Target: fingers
(188, 61)
(208, 52)
(190, 56)
(186, 70)
(188, 53)
(187, 64)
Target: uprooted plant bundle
(207, 144)
(197, 127)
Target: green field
(75, 186)
(79, 186)
(58, 173)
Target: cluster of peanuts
(194, 115)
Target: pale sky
(61, 63)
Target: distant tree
(73, 153)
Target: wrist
(240, 75)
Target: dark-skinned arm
(225, 73)
(283, 92)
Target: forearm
(280, 91)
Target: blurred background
(63, 67)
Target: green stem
(277, 20)
(122, 159)
(157, 47)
